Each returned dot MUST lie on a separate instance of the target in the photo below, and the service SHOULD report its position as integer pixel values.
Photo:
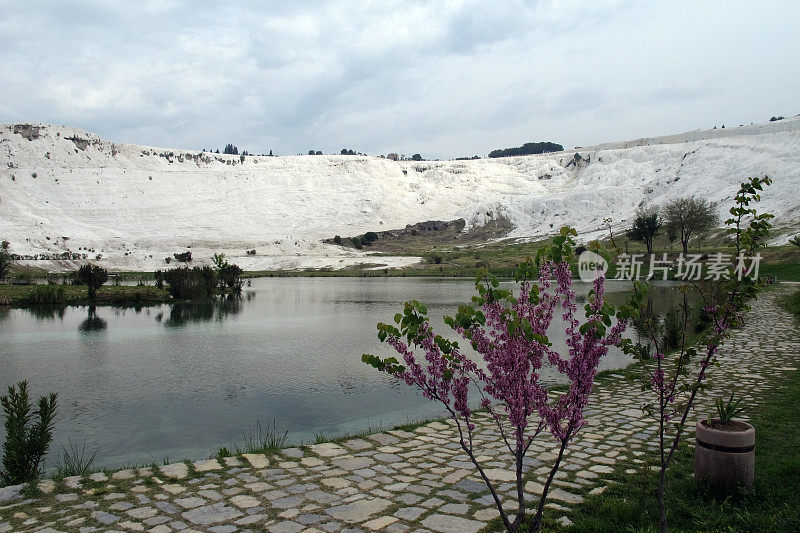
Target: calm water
(177, 381)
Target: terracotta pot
(725, 458)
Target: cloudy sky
(443, 78)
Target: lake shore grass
(75, 295)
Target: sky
(441, 78)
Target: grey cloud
(448, 78)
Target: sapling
(510, 334)
(676, 382)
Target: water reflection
(92, 322)
(217, 308)
(182, 380)
(48, 312)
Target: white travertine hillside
(64, 189)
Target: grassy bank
(792, 303)
(40, 294)
(773, 504)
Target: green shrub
(26, 441)
(700, 317)
(434, 258)
(191, 283)
(357, 242)
(5, 260)
(184, 257)
(673, 330)
(229, 275)
(370, 237)
(47, 294)
(93, 276)
(337, 240)
(792, 303)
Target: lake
(178, 381)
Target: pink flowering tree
(676, 380)
(510, 333)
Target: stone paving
(393, 481)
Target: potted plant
(724, 453)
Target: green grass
(31, 295)
(789, 271)
(792, 303)
(773, 504)
(258, 439)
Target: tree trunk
(662, 510)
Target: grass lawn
(772, 505)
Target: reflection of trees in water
(47, 312)
(93, 322)
(216, 308)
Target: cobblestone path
(392, 481)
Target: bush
(673, 330)
(93, 277)
(191, 283)
(701, 319)
(434, 258)
(227, 273)
(5, 260)
(357, 242)
(47, 294)
(370, 237)
(337, 240)
(185, 257)
(26, 441)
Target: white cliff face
(63, 189)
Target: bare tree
(689, 217)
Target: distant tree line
(230, 149)
(528, 149)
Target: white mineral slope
(63, 189)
